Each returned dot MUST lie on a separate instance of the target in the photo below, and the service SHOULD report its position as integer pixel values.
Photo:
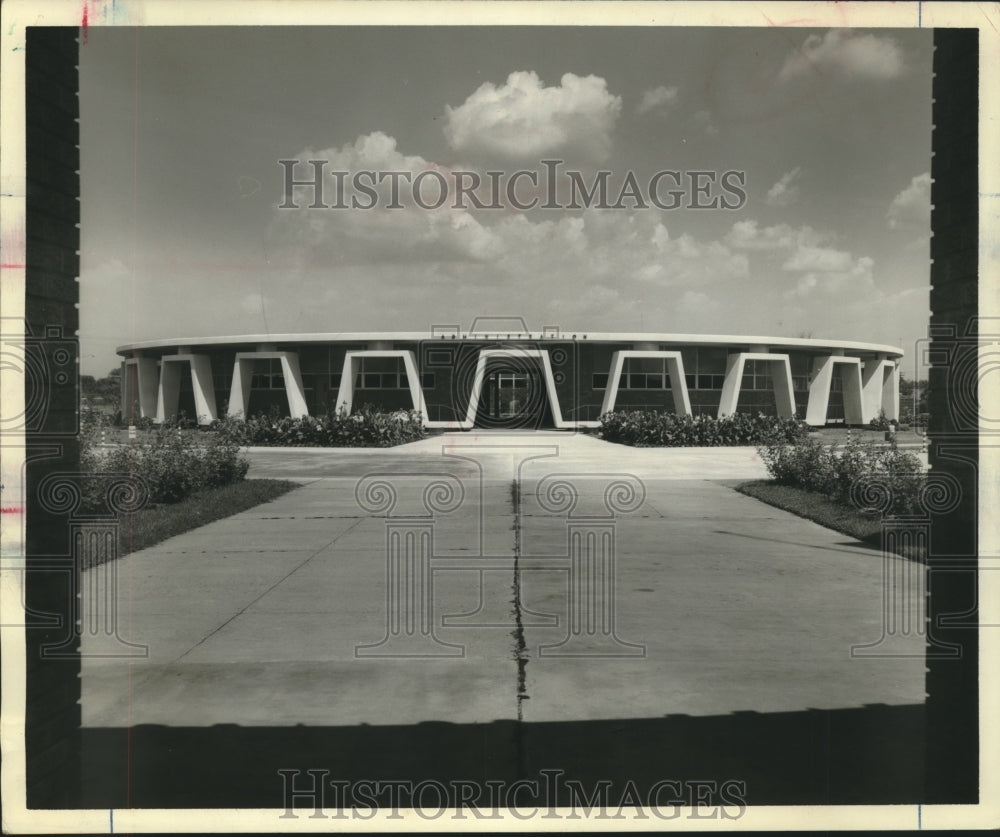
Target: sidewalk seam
(250, 604)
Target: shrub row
(170, 464)
(841, 473)
(649, 429)
(367, 427)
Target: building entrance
(513, 398)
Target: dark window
(335, 380)
(269, 375)
(389, 380)
(718, 381)
(404, 382)
(690, 381)
(600, 381)
(371, 380)
(705, 382)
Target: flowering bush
(650, 429)
(833, 470)
(172, 465)
(882, 422)
(368, 427)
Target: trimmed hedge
(368, 427)
(841, 473)
(649, 429)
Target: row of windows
(800, 383)
(633, 380)
(270, 377)
(383, 380)
(638, 373)
(697, 360)
(367, 380)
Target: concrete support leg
(204, 389)
(294, 389)
(169, 392)
(675, 368)
(239, 392)
(781, 381)
(731, 384)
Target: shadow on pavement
(868, 755)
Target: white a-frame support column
(675, 368)
(880, 389)
(780, 377)
(352, 366)
(477, 388)
(146, 384)
(168, 395)
(239, 393)
(819, 390)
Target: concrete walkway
(614, 583)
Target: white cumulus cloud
(747, 235)
(805, 252)
(819, 259)
(853, 280)
(846, 53)
(313, 238)
(786, 191)
(657, 99)
(912, 207)
(524, 119)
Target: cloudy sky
(182, 131)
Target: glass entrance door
(511, 395)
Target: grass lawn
(150, 526)
(820, 509)
(829, 435)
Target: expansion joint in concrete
(520, 646)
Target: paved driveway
(415, 584)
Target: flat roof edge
(579, 336)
